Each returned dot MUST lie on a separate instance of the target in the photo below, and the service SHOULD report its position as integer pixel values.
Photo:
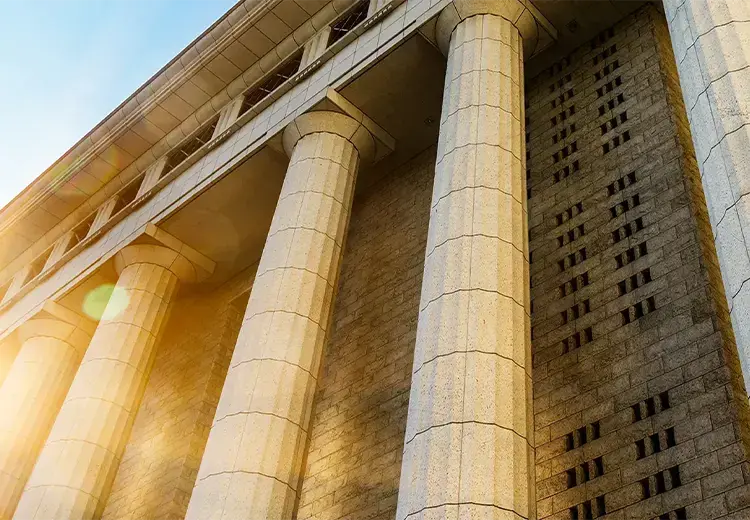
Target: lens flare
(105, 302)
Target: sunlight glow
(105, 302)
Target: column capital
(54, 328)
(156, 246)
(56, 321)
(169, 259)
(535, 30)
(328, 121)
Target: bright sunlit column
(468, 449)
(253, 459)
(75, 470)
(9, 348)
(32, 394)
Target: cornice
(161, 85)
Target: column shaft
(253, 459)
(711, 41)
(8, 351)
(467, 448)
(31, 397)
(75, 470)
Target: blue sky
(65, 64)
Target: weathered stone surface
(467, 437)
(711, 41)
(252, 464)
(638, 397)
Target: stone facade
(529, 310)
(359, 420)
(639, 404)
(160, 463)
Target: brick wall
(638, 398)
(359, 419)
(160, 463)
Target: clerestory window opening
(192, 145)
(127, 195)
(348, 21)
(81, 231)
(287, 69)
(37, 265)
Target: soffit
(578, 21)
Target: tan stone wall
(160, 463)
(637, 391)
(674, 363)
(357, 432)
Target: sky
(66, 64)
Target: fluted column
(711, 42)
(252, 462)
(32, 394)
(75, 470)
(468, 447)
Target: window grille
(37, 265)
(349, 21)
(81, 231)
(127, 195)
(191, 146)
(274, 81)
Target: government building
(395, 260)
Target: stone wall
(359, 419)
(160, 463)
(637, 392)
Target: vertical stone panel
(31, 396)
(711, 41)
(467, 449)
(359, 419)
(252, 462)
(636, 408)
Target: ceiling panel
(132, 143)
(147, 131)
(192, 94)
(239, 55)
(208, 82)
(177, 106)
(162, 119)
(272, 26)
(224, 69)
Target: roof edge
(23, 196)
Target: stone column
(51, 348)
(711, 41)
(72, 478)
(252, 462)
(9, 347)
(468, 449)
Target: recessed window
(37, 265)
(288, 69)
(81, 231)
(127, 195)
(349, 21)
(191, 146)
